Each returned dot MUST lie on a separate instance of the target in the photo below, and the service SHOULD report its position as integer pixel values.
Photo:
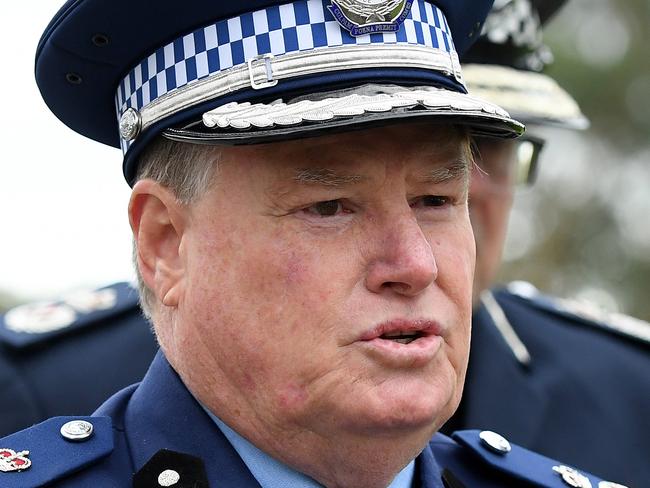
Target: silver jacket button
(495, 442)
(77, 430)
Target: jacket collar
(162, 413)
(162, 396)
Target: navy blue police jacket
(158, 426)
(68, 356)
(583, 393)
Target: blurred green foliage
(601, 57)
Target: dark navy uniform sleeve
(68, 356)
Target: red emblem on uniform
(13, 461)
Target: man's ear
(158, 221)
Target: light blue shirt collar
(271, 473)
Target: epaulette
(584, 312)
(53, 449)
(521, 464)
(34, 323)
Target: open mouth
(403, 343)
(402, 331)
(402, 337)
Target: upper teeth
(400, 334)
(401, 337)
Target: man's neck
(362, 458)
(348, 462)
(271, 473)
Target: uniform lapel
(162, 414)
(428, 473)
(500, 393)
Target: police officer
(579, 375)
(309, 284)
(68, 355)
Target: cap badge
(361, 17)
(13, 461)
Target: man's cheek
(456, 261)
(296, 268)
(303, 268)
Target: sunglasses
(510, 161)
(528, 150)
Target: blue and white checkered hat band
(300, 26)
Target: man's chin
(401, 415)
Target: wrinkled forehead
(417, 153)
(426, 143)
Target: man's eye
(431, 201)
(328, 208)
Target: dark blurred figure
(568, 382)
(69, 355)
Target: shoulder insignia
(520, 463)
(33, 323)
(11, 460)
(586, 312)
(171, 468)
(53, 449)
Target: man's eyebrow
(325, 177)
(457, 169)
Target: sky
(63, 197)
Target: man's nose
(403, 261)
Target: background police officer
(553, 376)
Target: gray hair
(187, 171)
